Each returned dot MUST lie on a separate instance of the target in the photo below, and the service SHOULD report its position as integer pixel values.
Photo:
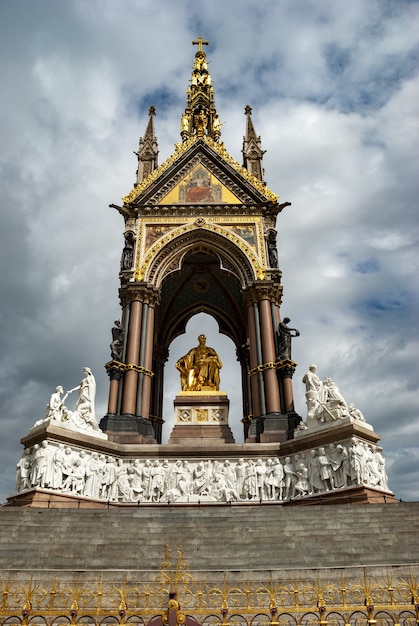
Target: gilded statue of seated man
(200, 368)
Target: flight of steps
(213, 537)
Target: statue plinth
(201, 415)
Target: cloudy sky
(334, 91)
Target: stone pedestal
(203, 416)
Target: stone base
(203, 434)
(327, 433)
(270, 428)
(50, 499)
(201, 416)
(128, 429)
(201, 464)
(359, 494)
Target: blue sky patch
(370, 266)
(162, 98)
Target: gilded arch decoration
(234, 253)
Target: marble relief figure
(80, 472)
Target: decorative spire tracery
(200, 117)
(148, 150)
(252, 147)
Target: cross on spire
(200, 42)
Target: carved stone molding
(264, 290)
(286, 368)
(169, 258)
(141, 292)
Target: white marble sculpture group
(80, 472)
(83, 418)
(324, 401)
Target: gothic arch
(200, 285)
(228, 249)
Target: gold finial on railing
(177, 577)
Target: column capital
(286, 368)
(140, 292)
(115, 370)
(263, 290)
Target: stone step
(214, 537)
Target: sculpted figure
(250, 481)
(312, 381)
(200, 479)
(136, 480)
(326, 472)
(39, 464)
(302, 486)
(314, 472)
(277, 480)
(127, 258)
(157, 481)
(343, 472)
(184, 479)
(240, 473)
(260, 470)
(165, 475)
(314, 395)
(67, 465)
(146, 478)
(117, 344)
(200, 368)
(356, 413)
(272, 249)
(290, 478)
(223, 490)
(229, 474)
(55, 407)
(334, 400)
(23, 471)
(339, 459)
(200, 120)
(357, 460)
(123, 488)
(83, 418)
(93, 477)
(184, 124)
(58, 465)
(77, 477)
(109, 482)
(284, 339)
(381, 466)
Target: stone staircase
(214, 537)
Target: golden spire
(200, 117)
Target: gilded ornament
(219, 148)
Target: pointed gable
(205, 160)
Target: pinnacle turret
(252, 148)
(148, 149)
(200, 117)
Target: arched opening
(230, 375)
